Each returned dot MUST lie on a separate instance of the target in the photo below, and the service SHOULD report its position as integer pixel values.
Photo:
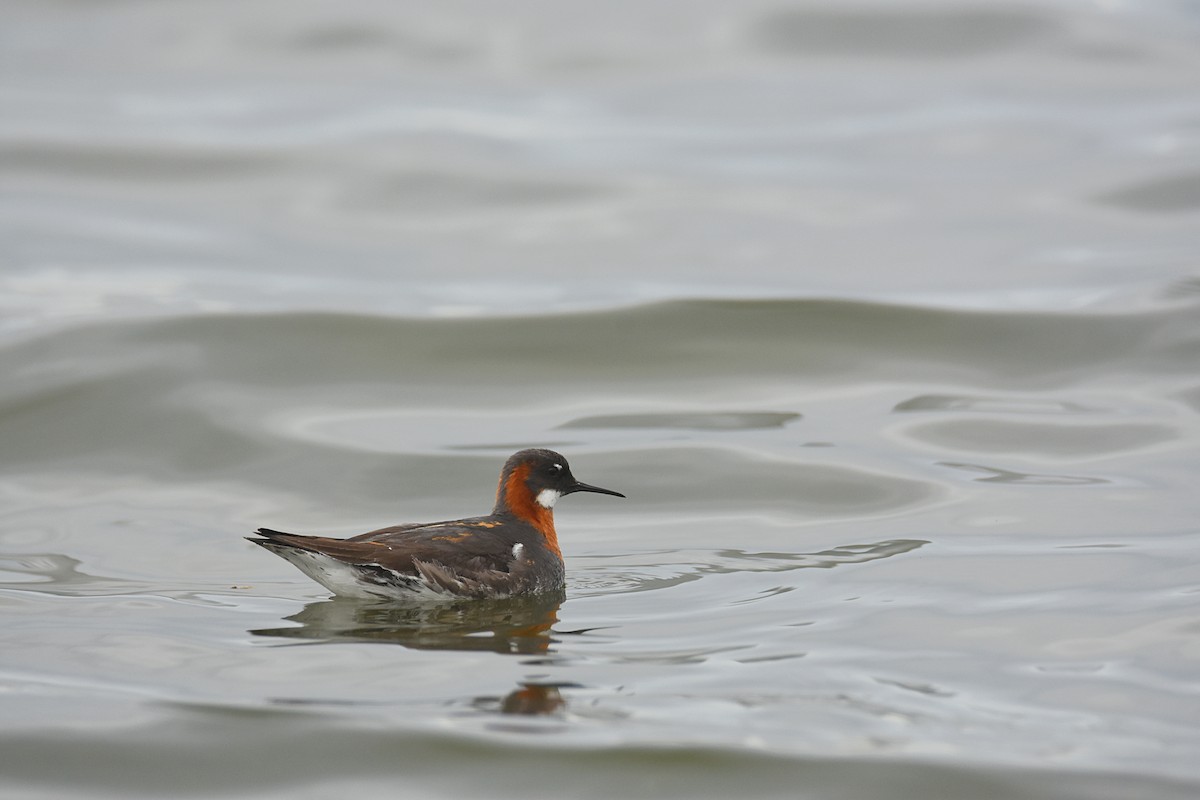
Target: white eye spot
(556, 467)
(546, 498)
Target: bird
(512, 551)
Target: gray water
(886, 318)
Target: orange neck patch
(521, 503)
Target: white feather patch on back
(517, 551)
(546, 498)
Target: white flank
(343, 579)
(334, 575)
(548, 497)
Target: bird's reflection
(517, 625)
(527, 700)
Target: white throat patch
(546, 498)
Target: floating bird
(511, 551)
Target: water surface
(884, 318)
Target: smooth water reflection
(518, 626)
